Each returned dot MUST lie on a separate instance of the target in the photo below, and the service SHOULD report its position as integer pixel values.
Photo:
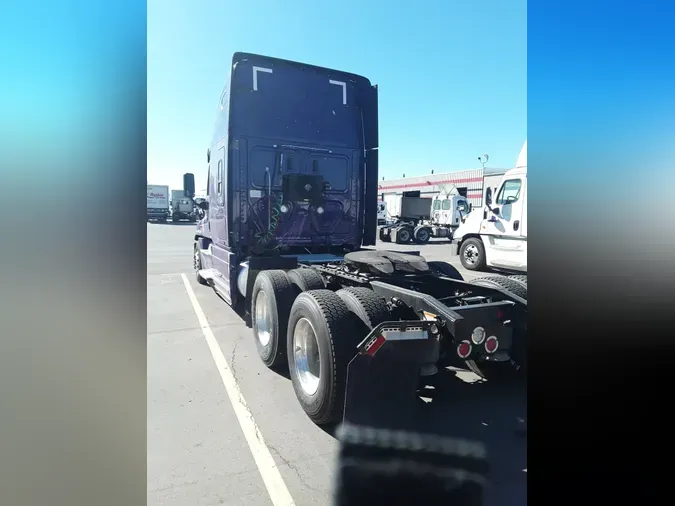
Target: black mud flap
(383, 377)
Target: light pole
(483, 160)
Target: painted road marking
(255, 75)
(269, 471)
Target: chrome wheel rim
(306, 356)
(263, 325)
(471, 254)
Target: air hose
(265, 236)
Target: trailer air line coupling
(265, 236)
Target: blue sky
(452, 75)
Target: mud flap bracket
(383, 377)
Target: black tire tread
(306, 279)
(410, 236)
(416, 235)
(366, 304)
(284, 296)
(505, 283)
(445, 269)
(481, 265)
(337, 317)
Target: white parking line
(269, 471)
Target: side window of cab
(509, 192)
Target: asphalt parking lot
(259, 448)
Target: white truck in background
(158, 203)
(182, 207)
(418, 219)
(381, 213)
(448, 211)
(496, 235)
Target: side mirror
(208, 156)
(204, 204)
(495, 210)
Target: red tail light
(491, 344)
(464, 349)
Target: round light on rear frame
(478, 335)
(464, 349)
(319, 210)
(491, 344)
(284, 208)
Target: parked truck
(496, 235)
(158, 203)
(381, 212)
(421, 218)
(182, 207)
(290, 212)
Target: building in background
(470, 183)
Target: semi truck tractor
(182, 207)
(496, 235)
(158, 203)
(290, 222)
(421, 218)
(381, 212)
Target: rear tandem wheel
(320, 344)
(271, 301)
(422, 235)
(503, 283)
(521, 279)
(306, 279)
(403, 235)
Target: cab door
(503, 235)
(446, 211)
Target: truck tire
(271, 302)
(422, 235)
(175, 218)
(321, 342)
(197, 263)
(445, 269)
(520, 278)
(503, 283)
(306, 279)
(370, 308)
(472, 254)
(403, 235)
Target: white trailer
(158, 203)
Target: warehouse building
(470, 183)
